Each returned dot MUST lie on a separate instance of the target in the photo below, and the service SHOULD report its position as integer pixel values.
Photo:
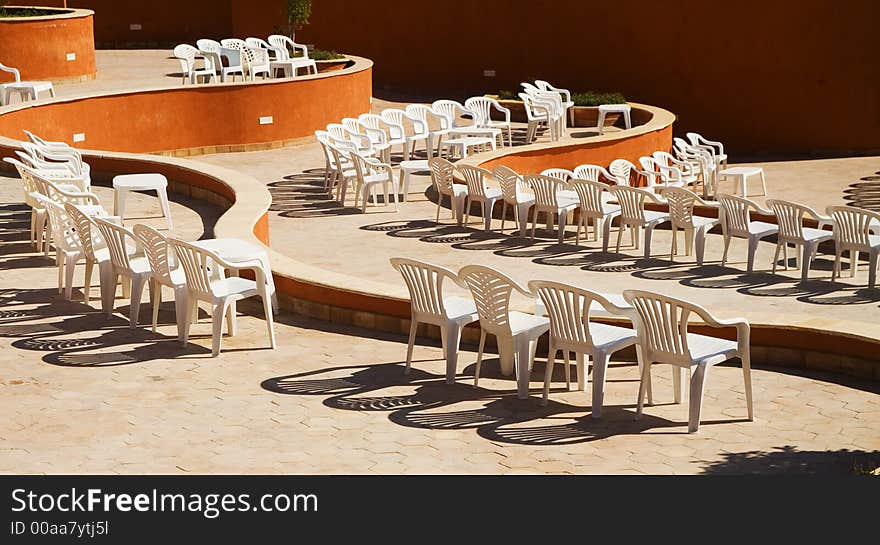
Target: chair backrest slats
(475, 177)
(491, 291)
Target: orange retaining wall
(38, 46)
(199, 116)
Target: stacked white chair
(370, 174)
(95, 251)
(127, 260)
(681, 216)
(482, 108)
(164, 271)
(216, 54)
(68, 248)
(403, 127)
(443, 180)
(549, 201)
(186, 54)
(595, 207)
(514, 192)
(284, 46)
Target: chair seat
(710, 349)
(459, 189)
(610, 338)
(700, 221)
(762, 228)
(458, 308)
(493, 193)
(608, 209)
(521, 322)
(652, 216)
(234, 285)
(139, 265)
(811, 235)
(27, 85)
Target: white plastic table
(406, 170)
(140, 182)
(27, 89)
(605, 109)
(235, 251)
(742, 174)
(465, 142)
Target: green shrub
(508, 95)
(324, 55)
(591, 98)
(27, 12)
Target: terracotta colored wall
(765, 77)
(39, 48)
(190, 117)
(600, 153)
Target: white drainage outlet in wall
(71, 56)
(266, 120)
(135, 26)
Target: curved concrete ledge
(811, 342)
(39, 46)
(192, 119)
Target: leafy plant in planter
(324, 55)
(591, 98)
(25, 12)
(298, 13)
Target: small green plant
(298, 13)
(25, 12)
(591, 98)
(324, 55)
(506, 94)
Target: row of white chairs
(75, 223)
(559, 195)
(660, 333)
(278, 57)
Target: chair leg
(698, 382)
(108, 286)
(503, 214)
(567, 363)
(854, 263)
(413, 326)
(231, 325)
(180, 311)
(218, 314)
(676, 383)
(646, 372)
(192, 308)
(640, 359)
(619, 235)
(872, 270)
(806, 259)
(479, 357)
(523, 351)
(137, 292)
(583, 371)
(155, 300)
(753, 247)
(87, 285)
(649, 231)
(270, 319)
(69, 269)
(453, 339)
(600, 367)
(726, 247)
(747, 380)
(606, 233)
(548, 371)
(701, 245)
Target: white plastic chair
(425, 115)
(482, 109)
(24, 89)
(514, 192)
(736, 222)
(94, 251)
(332, 169)
(633, 215)
(127, 260)
(650, 170)
(430, 306)
(478, 191)
(567, 103)
(453, 112)
(594, 206)
(254, 61)
(285, 46)
(217, 54)
(186, 54)
(379, 132)
(663, 336)
(681, 216)
(594, 173)
(715, 148)
(855, 230)
(548, 201)
(443, 179)
(673, 172)
(345, 173)
(63, 154)
(404, 127)
(68, 249)
(371, 173)
(790, 219)
(555, 104)
(38, 212)
(623, 171)
(206, 282)
(164, 271)
(572, 331)
(537, 114)
(561, 174)
(517, 332)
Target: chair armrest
(628, 311)
(502, 109)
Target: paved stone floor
(84, 394)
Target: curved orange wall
(38, 47)
(198, 116)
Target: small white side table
(606, 109)
(140, 182)
(26, 89)
(742, 174)
(406, 170)
(463, 143)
